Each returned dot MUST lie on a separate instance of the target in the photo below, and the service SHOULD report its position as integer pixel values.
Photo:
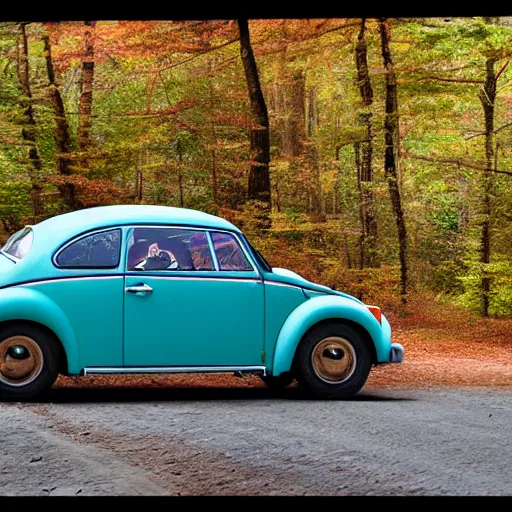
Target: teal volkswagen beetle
(154, 289)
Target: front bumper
(396, 354)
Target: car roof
(73, 223)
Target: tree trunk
(29, 124)
(289, 91)
(278, 198)
(85, 103)
(139, 176)
(259, 175)
(293, 124)
(317, 213)
(368, 239)
(391, 140)
(293, 115)
(312, 110)
(62, 136)
(316, 209)
(487, 97)
(215, 195)
(347, 252)
(362, 236)
(138, 185)
(334, 198)
(214, 177)
(180, 176)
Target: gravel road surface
(248, 441)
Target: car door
(183, 306)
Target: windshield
(262, 262)
(19, 244)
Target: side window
(99, 250)
(168, 249)
(229, 254)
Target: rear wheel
(29, 361)
(333, 361)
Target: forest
(369, 155)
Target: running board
(171, 369)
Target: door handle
(139, 289)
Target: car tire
(277, 382)
(333, 361)
(29, 361)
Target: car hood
(7, 270)
(284, 275)
(6, 264)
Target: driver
(158, 259)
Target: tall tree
(364, 153)
(29, 123)
(296, 145)
(391, 141)
(289, 99)
(487, 95)
(62, 135)
(259, 175)
(213, 134)
(317, 212)
(86, 84)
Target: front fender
(327, 307)
(20, 303)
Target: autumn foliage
(362, 129)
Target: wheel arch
(360, 329)
(321, 311)
(25, 305)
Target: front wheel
(333, 361)
(29, 361)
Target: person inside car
(158, 259)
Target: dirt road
(246, 441)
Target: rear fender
(22, 303)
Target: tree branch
(457, 80)
(483, 133)
(498, 74)
(459, 162)
(218, 47)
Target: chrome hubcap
(334, 360)
(21, 360)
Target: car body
(156, 289)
